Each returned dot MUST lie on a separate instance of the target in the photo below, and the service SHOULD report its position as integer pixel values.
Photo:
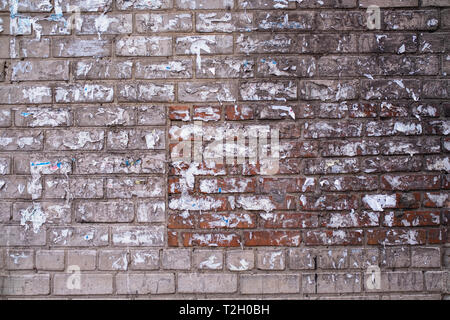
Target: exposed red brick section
(241, 149)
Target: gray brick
(269, 284)
(207, 283)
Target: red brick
(194, 239)
(179, 113)
(396, 236)
(183, 220)
(230, 220)
(411, 219)
(288, 184)
(410, 182)
(334, 237)
(206, 113)
(236, 112)
(287, 220)
(328, 202)
(172, 239)
(272, 238)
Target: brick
(138, 187)
(144, 284)
(79, 236)
(426, 257)
(151, 211)
(348, 20)
(289, 220)
(328, 202)
(402, 281)
(28, 285)
(116, 163)
(270, 260)
(56, 212)
(16, 236)
(436, 281)
(345, 220)
(163, 69)
(240, 260)
(212, 44)
(213, 68)
(435, 3)
(207, 283)
(284, 21)
(44, 70)
(58, 188)
(146, 92)
(389, 3)
(143, 4)
(91, 139)
(137, 139)
(104, 211)
(263, 91)
(113, 260)
(435, 199)
(90, 284)
(19, 259)
(287, 66)
(50, 260)
(67, 48)
(204, 4)
(224, 22)
(406, 146)
(266, 43)
(388, 43)
(269, 284)
(43, 117)
(133, 46)
(166, 22)
(411, 20)
(151, 115)
(438, 89)
(84, 259)
(335, 237)
(410, 182)
(396, 237)
(176, 259)
(336, 283)
(363, 258)
(328, 43)
(375, 89)
(151, 236)
(208, 260)
(86, 93)
(432, 43)
(211, 239)
(328, 90)
(265, 4)
(302, 259)
(102, 69)
(272, 238)
(206, 92)
(106, 24)
(30, 48)
(87, 6)
(21, 140)
(144, 260)
(396, 257)
(23, 94)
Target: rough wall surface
(97, 95)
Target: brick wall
(97, 97)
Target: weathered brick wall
(96, 95)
